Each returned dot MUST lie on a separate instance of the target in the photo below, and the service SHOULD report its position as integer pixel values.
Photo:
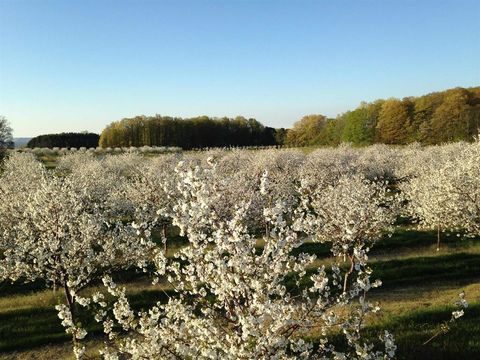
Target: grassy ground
(419, 287)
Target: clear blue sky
(79, 65)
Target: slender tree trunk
(70, 300)
(438, 237)
(345, 281)
(165, 233)
(71, 307)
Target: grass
(419, 287)
(461, 267)
(415, 313)
(412, 330)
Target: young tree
(351, 214)
(57, 235)
(148, 194)
(428, 188)
(460, 178)
(232, 302)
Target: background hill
(21, 142)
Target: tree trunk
(71, 307)
(438, 237)
(164, 233)
(345, 281)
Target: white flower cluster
(241, 288)
(58, 229)
(442, 187)
(234, 301)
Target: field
(420, 285)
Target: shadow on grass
(28, 328)
(425, 270)
(23, 329)
(404, 239)
(459, 268)
(462, 341)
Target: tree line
(439, 117)
(65, 140)
(435, 118)
(197, 132)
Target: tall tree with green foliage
(332, 132)
(360, 124)
(65, 140)
(198, 132)
(356, 130)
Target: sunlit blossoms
(57, 235)
(232, 301)
(444, 195)
(240, 285)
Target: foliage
(65, 140)
(232, 290)
(231, 302)
(58, 231)
(6, 139)
(307, 131)
(451, 115)
(190, 133)
(360, 124)
(445, 195)
(394, 121)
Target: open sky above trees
(68, 66)
(435, 118)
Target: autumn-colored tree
(455, 118)
(306, 131)
(394, 122)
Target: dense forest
(190, 133)
(435, 118)
(439, 117)
(65, 140)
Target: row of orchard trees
(190, 133)
(92, 217)
(436, 118)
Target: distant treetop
(65, 140)
(435, 118)
(198, 132)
